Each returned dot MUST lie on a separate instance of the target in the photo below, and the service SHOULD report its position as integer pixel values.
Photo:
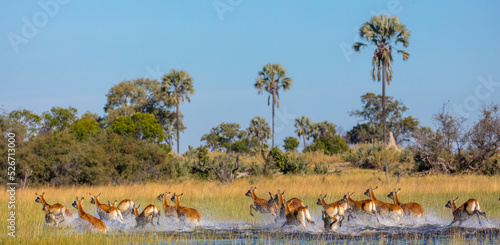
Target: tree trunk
(304, 138)
(177, 127)
(384, 72)
(274, 102)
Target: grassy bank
(227, 203)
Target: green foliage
(223, 136)
(321, 168)
(329, 145)
(259, 129)
(287, 163)
(58, 119)
(372, 116)
(139, 126)
(84, 128)
(291, 144)
(29, 122)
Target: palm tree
(259, 128)
(169, 130)
(272, 78)
(302, 124)
(384, 32)
(179, 85)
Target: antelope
(146, 216)
(259, 204)
(383, 207)
(125, 206)
(466, 210)
(366, 206)
(105, 211)
(113, 204)
(52, 212)
(95, 222)
(332, 214)
(300, 215)
(170, 211)
(184, 212)
(411, 209)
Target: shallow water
(427, 230)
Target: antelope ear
(350, 194)
(325, 195)
(455, 199)
(375, 187)
(399, 189)
(181, 194)
(283, 193)
(90, 193)
(43, 194)
(81, 199)
(36, 194)
(99, 194)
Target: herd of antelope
(294, 212)
(287, 212)
(56, 213)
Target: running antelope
(259, 204)
(277, 207)
(298, 216)
(184, 213)
(411, 209)
(95, 222)
(332, 214)
(170, 211)
(384, 208)
(125, 206)
(466, 210)
(52, 212)
(366, 206)
(105, 211)
(146, 216)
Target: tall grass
(227, 203)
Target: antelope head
(319, 199)
(161, 196)
(451, 202)
(39, 197)
(176, 196)
(75, 203)
(93, 200)
(249, 192)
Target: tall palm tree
(179, 85)
(272, 78)
(259, 128)
(302, 124)
(384, 32)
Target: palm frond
(357, 46)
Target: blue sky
(75, 51)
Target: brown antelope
(366, 206)
(383, 207)
(466, 210)
(298, 216)
(52, 212)
(146, 216)
(332, 214)
(105, 212)
(185, 213)
(411, 209)
(170, 211)
(95, 222)
(125, 206)
(259, 204)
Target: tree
(139, 126)
(317, 130)
(58, 119)
(259, 129)
(372, 128)
(84, 128)
(330, 144)
(179, 85)
(223, 136)
(142, 95)
(384, 32)
(30, 122)
(271, 79)
(303, 124)
(291, 144)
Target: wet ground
(427, 230)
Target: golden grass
(218, 202)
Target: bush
(321, 168)
(329, 145)
(291, 144)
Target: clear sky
(70, 53)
